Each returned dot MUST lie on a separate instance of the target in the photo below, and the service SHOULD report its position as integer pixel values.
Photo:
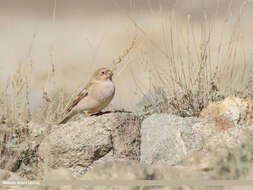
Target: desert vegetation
(176, 64)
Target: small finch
(96, 95)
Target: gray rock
(77, 144)
(167, 139)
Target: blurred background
(78, 36)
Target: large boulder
(167, 139)
(77, 144)
(226, 123)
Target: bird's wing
(80, 96)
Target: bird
(94, 97)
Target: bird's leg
(86, 113)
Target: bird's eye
(103, 72)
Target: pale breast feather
(107, 92)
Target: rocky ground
(121, 145)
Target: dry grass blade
(122, 56)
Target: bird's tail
(67, 117)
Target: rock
(19, 150)
(107, 158)
(213, 125)
(215, 146)
(237, 110)
(167, 139)
(77, 144)
(228, 139)
(219, 133)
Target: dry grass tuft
(201, 62)
(14, 125)
(15, 105)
